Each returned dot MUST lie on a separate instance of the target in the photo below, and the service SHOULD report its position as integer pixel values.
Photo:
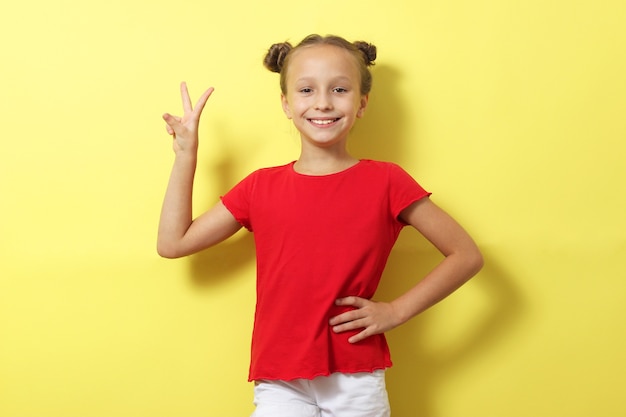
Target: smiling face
(323, 95)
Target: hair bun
(275, 57)
(368, 50)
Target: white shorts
(338, 395)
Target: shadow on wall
(419, 369)
(225, 260)
(380, 133)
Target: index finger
(351, 300)
(184, 93)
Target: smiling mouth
(323, 122)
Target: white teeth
(323, 122)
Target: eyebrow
(340, 78)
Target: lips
(322, 122)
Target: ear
(364, 100)
(285, 103)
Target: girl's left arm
(462, 261)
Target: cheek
(299, 106)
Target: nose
(323, 101)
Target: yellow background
(511, 112)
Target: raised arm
(462, 261)
(178, 234)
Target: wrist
(401, 313)
(189, 154)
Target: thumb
(171, 120)
(173, 123)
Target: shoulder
(396, 178)
(391, 169)
(376, 164)
(266, 177)
(274, 170)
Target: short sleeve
(238, 199)
(404, 190)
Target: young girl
(324, 226)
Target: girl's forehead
(313, 58)
(321, 52)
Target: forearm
(378, 317)
(176, 212)
(462, 261)
(443, 280)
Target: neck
(324, 161)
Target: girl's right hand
(184, 130)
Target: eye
(306, 90)
(340, 90)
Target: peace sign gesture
(184, 129)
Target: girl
(324, 226)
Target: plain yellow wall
(511, 112)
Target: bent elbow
(167, 251)
(476, 262)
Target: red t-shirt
(318, 238)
